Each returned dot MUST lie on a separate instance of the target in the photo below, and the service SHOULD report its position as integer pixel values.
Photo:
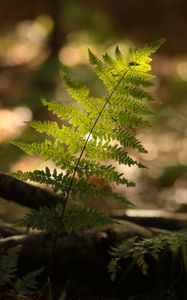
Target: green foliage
(76, 218)
(19, 288)
(8, 265)
(141, 249)
(52, 179)
(92, 132)
(25, 287)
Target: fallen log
(25, 194)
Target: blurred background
(38, 38)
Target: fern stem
(87, 140)
(50, 288)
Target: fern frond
(81, 95)
(43, 219)
(89, 168)
(102, 70)
(127, 139)
(130, 104)
(141, 56)
(75, 116)
(106, 152)
(96, 129)
(109, 60)
(76, 219)
(75, 89)
(53, 179)
(61, 110)
(141, 249)
(93, 59)
(120, 57)
(64, 135)
(151, 48)
(47, 127)
(25, 286)
(48, 151)
(82, 188)
(122, 156)
(139, 79)
(138, 93)
(8, 265)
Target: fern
(20, 288)
(141, 249)
(8, 265)
(97, 129)
(53, 179)
(24, 287)
(76, 219)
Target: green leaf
(8, 264)
(78, 218)
(75, 219)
